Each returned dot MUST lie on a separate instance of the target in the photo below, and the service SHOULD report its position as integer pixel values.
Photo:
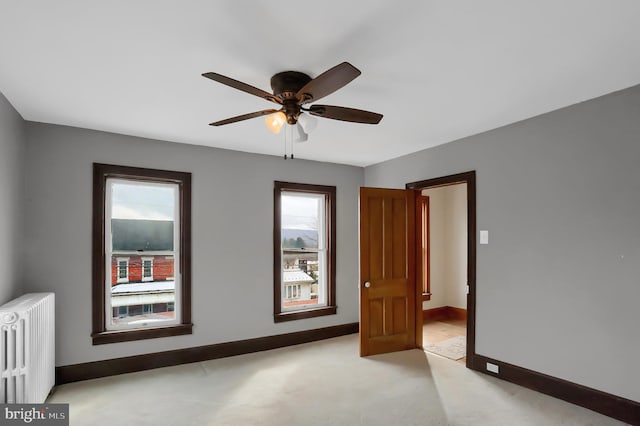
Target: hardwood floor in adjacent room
(438, 330)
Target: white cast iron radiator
(27, 348)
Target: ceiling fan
(292, 90)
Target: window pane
(303, 242)
(142, 223)
(147, 269)
(303, 220)
(122, 269)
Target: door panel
(387, 264)
(376, 326)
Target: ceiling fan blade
(242, 86)
(243, 117)
(327, 82)
(345, 114)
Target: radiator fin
(27, 348)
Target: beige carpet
(454, 348)
(320, 383)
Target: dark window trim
(101, 172)
(331, 308)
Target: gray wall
(232, 235)
(559, 283)
(12, 141)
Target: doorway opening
(446, 264)
(444, 270)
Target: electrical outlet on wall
(493, 368)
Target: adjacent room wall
(232, 235)
(557, 285)
(457, 247)
(437, 246)
(12, 141)
(448, 244)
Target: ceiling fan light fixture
(276, 121)
(301, 135)
(307, 122)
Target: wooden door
(388, 320)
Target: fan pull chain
(291, 139)
(288, 130)
(285, 143)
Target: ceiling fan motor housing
(286, 85)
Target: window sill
(307, 313)
(426, 296)
(115, 336)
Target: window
(142, 237)
(123, 269)
(304, 251)
(121, 311)
(147, 269)
(293, 291)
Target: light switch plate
(484, 237)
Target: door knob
(367, 284)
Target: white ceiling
(437, 70)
